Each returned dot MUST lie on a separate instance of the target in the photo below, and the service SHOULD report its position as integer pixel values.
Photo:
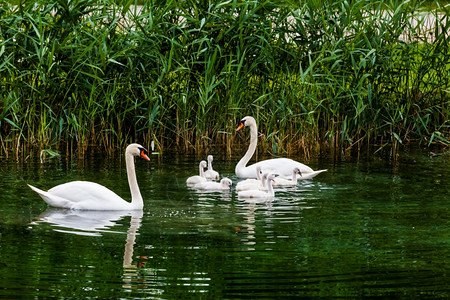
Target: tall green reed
(316, 75)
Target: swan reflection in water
(85, 222)
(247, 208)
(95, 223)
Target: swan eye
(144, 153)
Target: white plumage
(258, 193)
(224, 184)
(210, 173)
(198, 178)
(93, 196)
(281, 166)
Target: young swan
(224, 184)
(260, 194)
(198, 178)
(258, 185)
(286, 182)
(210, 173)
(250, 181)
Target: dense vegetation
(329, 75)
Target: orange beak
(144, 155)
(241, 125)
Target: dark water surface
(364, 228)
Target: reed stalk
(317, 75)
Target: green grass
(317, 75)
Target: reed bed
(318, 75)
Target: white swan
(258, 185)
(198, 178)
(258, 193)
(224, 184)
(210, 173)
(281, 166)
(251, 181)
(93, 196)
(287, 182)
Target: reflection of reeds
(327, 74)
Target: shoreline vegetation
(319, 77)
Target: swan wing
(283, 182)
(52, 200)
(207, 185)
(77, 191)
(211, 174)
(249, 186)
(83, 195)
(195, 179)
(248, 181)
(281, 166)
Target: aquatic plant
(317, 75)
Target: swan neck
(251, 148)
(135, 224)
(200, 171)
(270, 188)
(209, 165)
(136, 198)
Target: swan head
(203, 164)
(246, 121)
(297, 171)
(226, 182)
(271, 177)
(137, 150)
(259, 172)
(210, 158)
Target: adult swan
(93, 196)
(281, 166)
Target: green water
(364, 228)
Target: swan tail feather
(50, 199)
(310, 175)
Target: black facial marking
(142, 149)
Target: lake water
(366, 227)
